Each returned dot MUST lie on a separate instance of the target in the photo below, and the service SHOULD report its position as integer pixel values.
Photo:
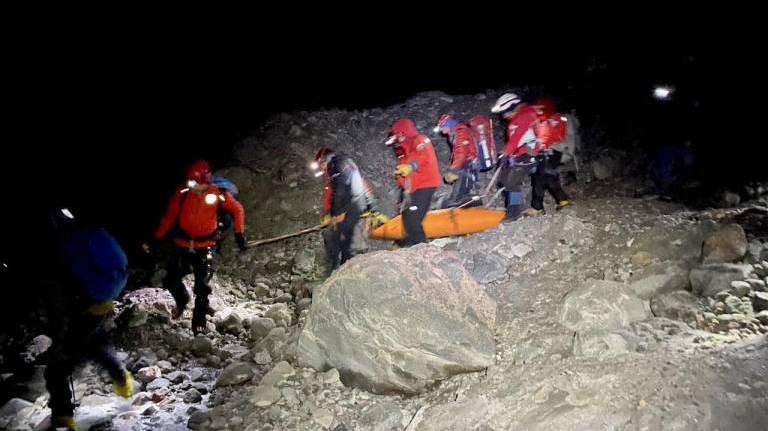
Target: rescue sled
(445, 222)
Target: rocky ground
(618, 313)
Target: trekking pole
(256, 243)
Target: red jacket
(524, 121)
(419, 154)
(464, 148)
(196, 215)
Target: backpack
(482, 130)
(225, 219)
(551, 129)
(96, 259)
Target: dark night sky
(110, 125)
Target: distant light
(662, 93)
(314, 166)
(318, 174)
(564, 119)
(191, 183)
(210, 198)
(5, 265)
(67, 213)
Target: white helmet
(506, 101)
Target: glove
(240, 239)
(125, 389)
(101, 308)
(380, 218)
(325, 220)
(450, 177)
(403, 170)
(335, 220)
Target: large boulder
(725, 245)
(599, 305)
(235, 373)
(399, 321)
(708, 280)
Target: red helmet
(403, 127)
(199, 172)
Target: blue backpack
(225, 184)
(96, 259)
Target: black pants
(81, 341)
(462, 188)
(511, 177)
(338, 240)
(547, 179)
(415, 207)
(181, 263)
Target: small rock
(235, 421)
(290, 396)
(760, 301)
(264, 396)
(521, 250)
(176, 377)
(762, 317)
(260, 327)
(150, 411)
(202, 345)
(733, 305)
(756, 284)
(740, 288)
(159, 383)
(231, 324)
(262, 358)
(148, 374)
(192, 396)
(147, 359)
(141, 398)
(277, 374)
(330, 377)
(165, 366)
(323, 417)
(234, 374)
(196, 374)
(162, 354)
(281, 314)
(199, 420)
(641, 259)
(260, 289)
(213, 361)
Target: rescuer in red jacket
(191, 222)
